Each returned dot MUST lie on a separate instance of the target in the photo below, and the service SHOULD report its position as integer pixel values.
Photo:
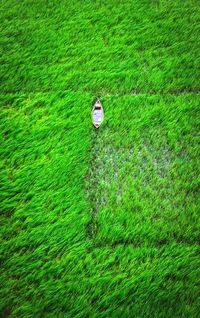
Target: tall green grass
(99, 223)
(114, 47)
(144, 170)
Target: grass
(99, 223)
(144, 177)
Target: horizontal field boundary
(138, 244)
(133, 92)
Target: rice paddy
(99, 222)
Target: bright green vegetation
(99, 223)
(146, 170)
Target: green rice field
(99, 223)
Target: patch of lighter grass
(113, 168)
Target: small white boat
(97, 114)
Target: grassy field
(99, 223)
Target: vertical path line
(92, 182)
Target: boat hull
(97, 114)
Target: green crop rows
(99, 223)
